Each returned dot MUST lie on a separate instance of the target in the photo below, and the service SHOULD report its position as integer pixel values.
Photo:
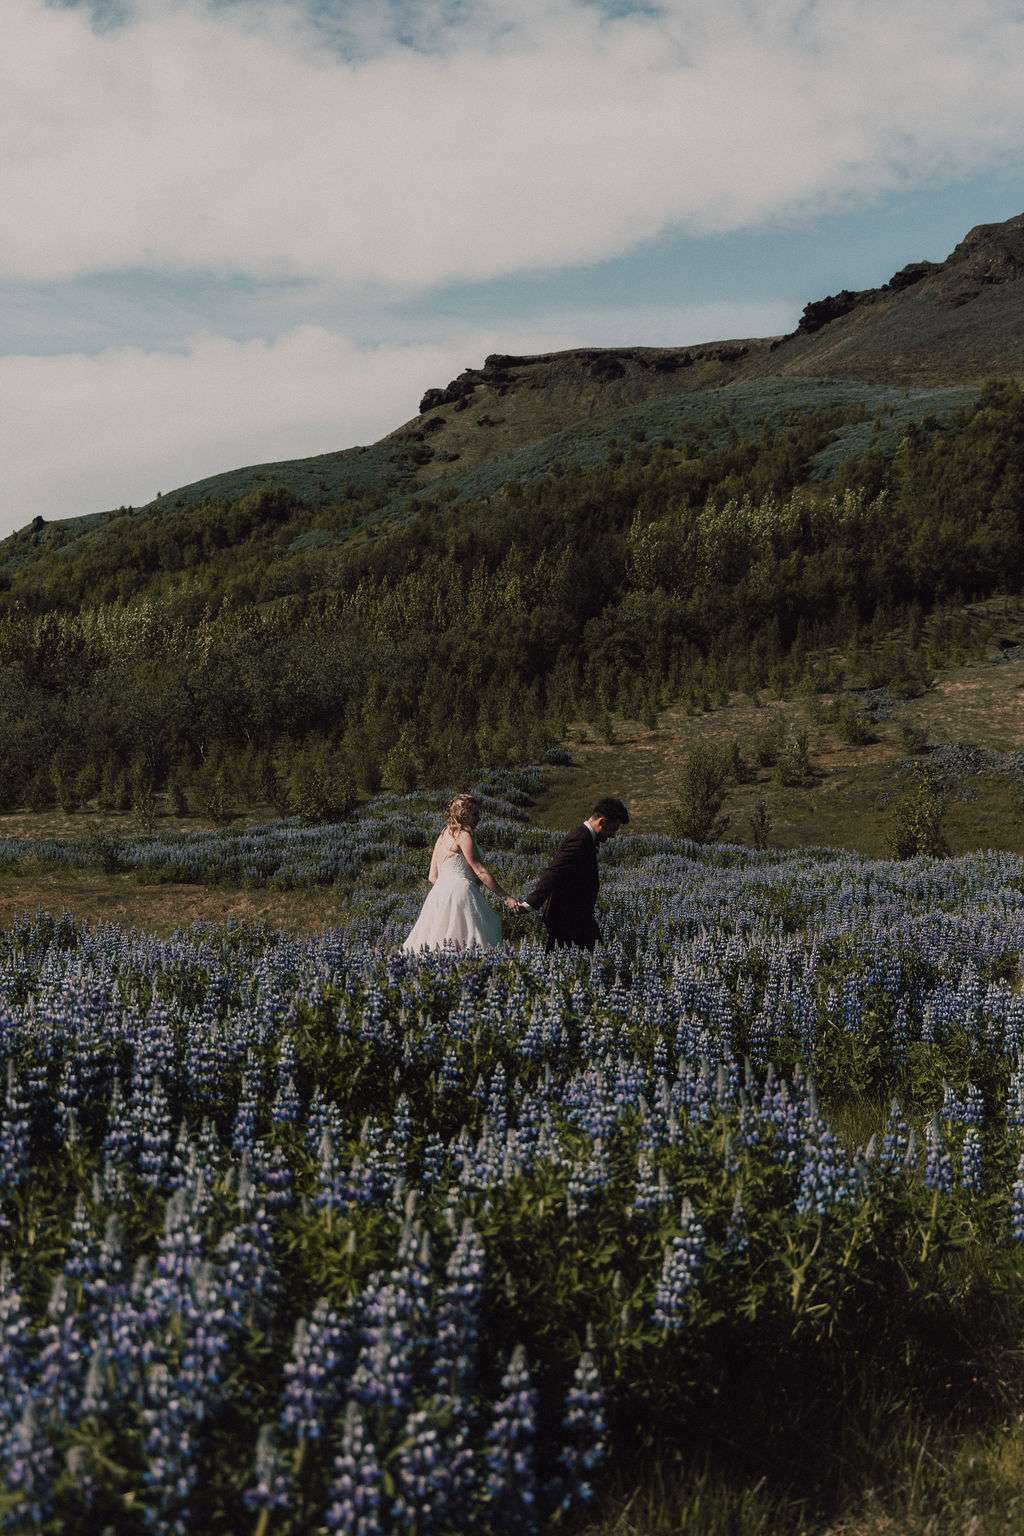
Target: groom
(566, 893)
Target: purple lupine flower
(895, 1142)
(270, 1166)
(971, 1162)
(974, 1106)
(172, 1467)
(14, 1134)
(938, 1167)
(287, 1105)
(155, 1149)
(586, 1434)
(15, 1349)
(1017, 1205)
(333, 1185)
(652, 1192)
(395, 1311)
(271, 1489)
(900, 1033)
(737, 1235)
(312, 1375)
(81, 1260)
(435, 1155)
(246, 1251)
(509, 1490)
(824, 1169)
(205, 1328)
(356, 1492)
(118, 1140)
(60, 1362)
(29, 1464)
(680, 1272)
(457, 1325)
(430, 1477)
(587, 1178)
(243, 1135)
(324, 1116)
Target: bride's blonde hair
(463, 813)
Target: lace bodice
(452, 863)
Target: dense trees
(191, 650)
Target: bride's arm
(483, 874)
(432, 877)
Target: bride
(455, 911)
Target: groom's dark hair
(612, 810)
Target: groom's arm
(567, 855)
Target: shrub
(768, 744)
(853, 726)
(40, 794)
(212, 793)
(916, 824)
(402, 769)
(697, 814)
(318, 795)
(914, 736)
(103, 851)
(759, 825)
(793, 764)
(558, 756)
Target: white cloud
(472, 141)
(84, 432)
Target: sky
(235, 231)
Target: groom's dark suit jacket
(566, 892)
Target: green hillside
(573, 537)
(365, 487)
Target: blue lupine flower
(737, 1236)
(1017, 1205)
(355, 1507)
(457, 1315)
(312, 1375)
(433, 1476)
(29, 1464)
(971, 1162)
(509, 1489)
(938, 1167)
(680, 1273)
(586, 1435)
(895, 1142)
(271, 1489)
(824, 1170)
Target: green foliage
(480, 627)
(212, 792)
(697, 814)
(793, 764)
(320, 790)
(914, 736)
(853, 725)
(918, 816)
(402, 769)
(759, 825)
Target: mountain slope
(956, 321)
(933, 325)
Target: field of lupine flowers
(315, 1236)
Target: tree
(697, 813)
(916, 822)
(402, 769)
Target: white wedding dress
(456, 910)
